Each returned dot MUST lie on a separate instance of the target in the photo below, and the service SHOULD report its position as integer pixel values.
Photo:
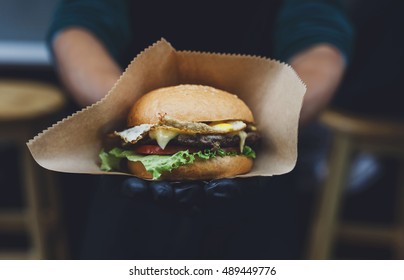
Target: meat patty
(209, 140)
(206, 140)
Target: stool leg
(31, 188)
(326, 215)
(400, 218)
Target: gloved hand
(189, 193)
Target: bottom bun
(215, 168)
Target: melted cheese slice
(163, 134)
(243, 136)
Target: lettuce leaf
(157, 164)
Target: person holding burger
(92, 41)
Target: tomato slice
(156, 150)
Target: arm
(89, 40)
(84, 65)
(321, 68)
(315, 37)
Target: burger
(184, 132)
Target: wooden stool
(352, 133)
(25, 109)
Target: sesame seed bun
(195, 103)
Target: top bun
(195, 103)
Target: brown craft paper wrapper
(271, 89)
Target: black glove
(189, 193)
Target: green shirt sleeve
(303, 23)
(108, 20)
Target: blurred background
(27, 218)
(350, 166)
